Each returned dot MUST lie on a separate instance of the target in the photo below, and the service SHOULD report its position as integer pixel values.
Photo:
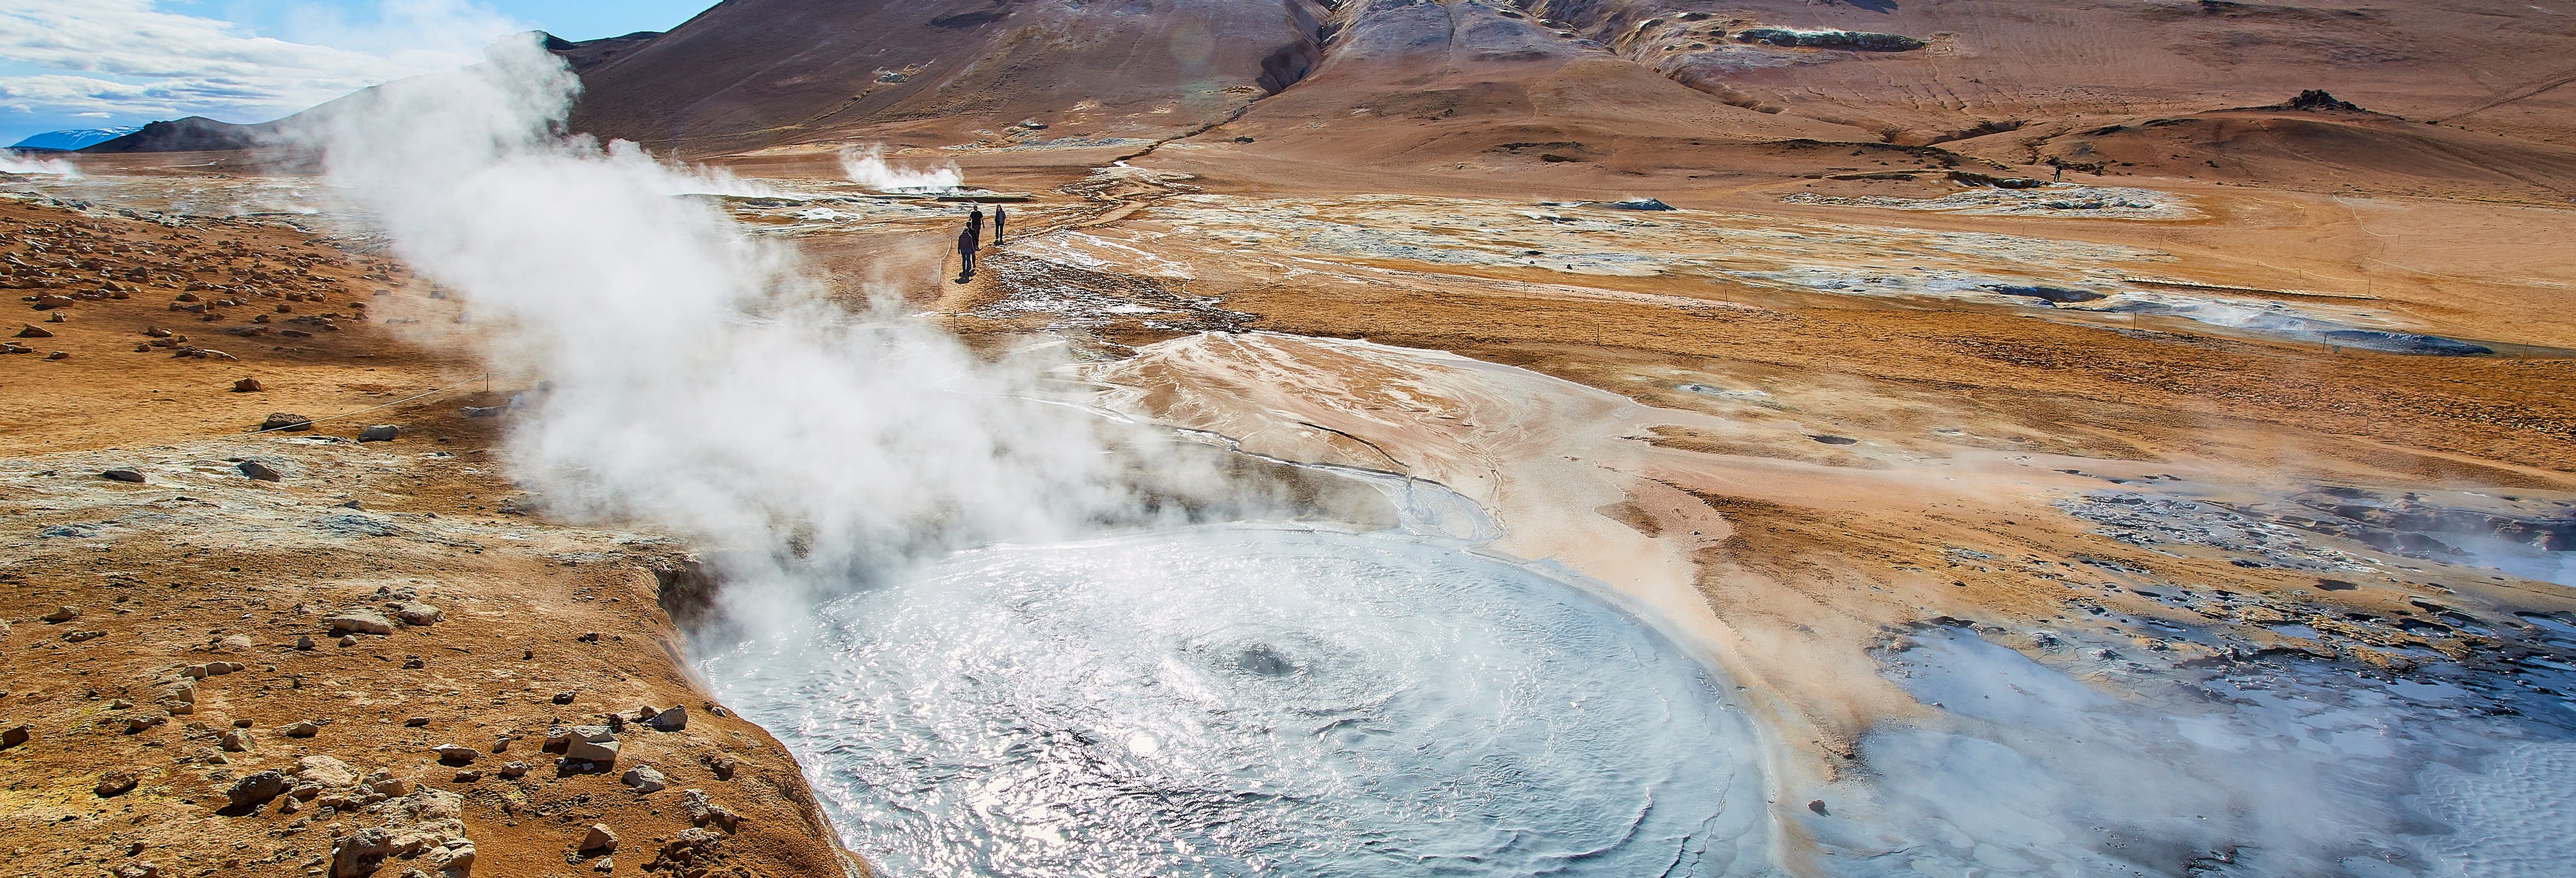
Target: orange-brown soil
(129, 760)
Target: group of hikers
(971, 241)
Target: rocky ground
(1800, 428)
(1797, 472)
(294, 652)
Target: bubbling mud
(1233, 701)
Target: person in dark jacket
(966, 245)
(998, 218)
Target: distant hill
(192, 134)
(752, 73)
(2116, 86)
(75, 138)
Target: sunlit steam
(867, 166)
(704, 382)
(701, 380)
(15, 162)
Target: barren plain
(2223, 435)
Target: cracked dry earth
(293, 653)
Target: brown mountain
(751, 73)
(2126, 86)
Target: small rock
(122, 475)
(489, 411)
(59, 355)
(324, 771)
(238, 643)
(304, 642)
(415, 722)
(259, 471)
(468, 776)
(62, 615)
(514, 770)
(14, 736)
(604, 864)
(287, 422)
(34, 331)
(454, 753)
(645, 780)
(418, 614)
(704, 812)
(256, 789)
(599, 839)
(235, 740)
(134, 725)
(138, 870)
(78, 636)
(380, 433)
(348, 640)
(360, 852)
(672, 720)
(246, 385)
(156, 332)
(686, 852)
(591, 744)
(360, 621)
(114, 783)
(564, 697)
(301, 729)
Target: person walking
(966, 244)
(998, 218)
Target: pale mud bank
(1727, 258)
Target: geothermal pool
(1242, 700)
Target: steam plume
(702, 380)
(15, 162)
(868, 167)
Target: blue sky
(103, 63)
(569, 19)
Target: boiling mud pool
(1251, 701)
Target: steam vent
(1288, 438)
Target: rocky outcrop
(421, 826)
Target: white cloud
(128, 59)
